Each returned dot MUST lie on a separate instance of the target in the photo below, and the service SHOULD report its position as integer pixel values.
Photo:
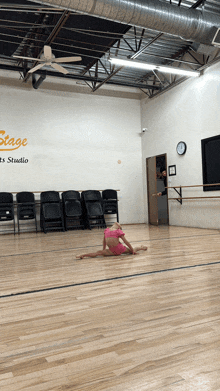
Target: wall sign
(13, 160)
(7, 144)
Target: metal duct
(189, 24)
(37, 82)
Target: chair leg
(63, 227)
(36, 223)
(44, 227)
(65, 223)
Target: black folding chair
(26, 209)
(93, 209)
(110, 202)
(7, 209)
(51, 215)
(72, 210)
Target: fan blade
(47, 52)
(36, 68)
(67, 59)
(59, 68)
(28, 58)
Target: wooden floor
(149, 322)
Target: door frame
(148, 204)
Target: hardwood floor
(149, 322)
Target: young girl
(115, 247)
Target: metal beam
(80, 77)
(182, 79)
(113, 42)
(198, 3)
(135, 55)
(141, 39)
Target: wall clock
(181, 148)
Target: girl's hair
(118, 225)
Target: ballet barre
(179, 192)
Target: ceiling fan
(48, 58)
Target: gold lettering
(1, 139)
(6, 139)
(11, 141)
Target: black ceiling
(20, 31)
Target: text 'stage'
(10, 144)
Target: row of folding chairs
(26, 209)
(82, 211)
(72, 210)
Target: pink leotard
(119, 249)
(113, 234)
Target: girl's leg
(140, 248)
(89, 255)
(104, 253)
(136, 249)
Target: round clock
(181, 148)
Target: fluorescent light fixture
(160, 68)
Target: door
(162, 202)
(152, 191)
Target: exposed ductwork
(37, 82)
(189, 24)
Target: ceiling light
(160, 68)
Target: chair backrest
(50, 196)
(6, 198)
(94, 209)
(25, 196)
(51, 210)
(91, 195)
(70, 195)
(73, 208)
(109, 194)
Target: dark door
(152, 190)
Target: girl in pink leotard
(115, 247)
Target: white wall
(74, 142)
(189, 112)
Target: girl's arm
(104, 243)
(127, 243)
